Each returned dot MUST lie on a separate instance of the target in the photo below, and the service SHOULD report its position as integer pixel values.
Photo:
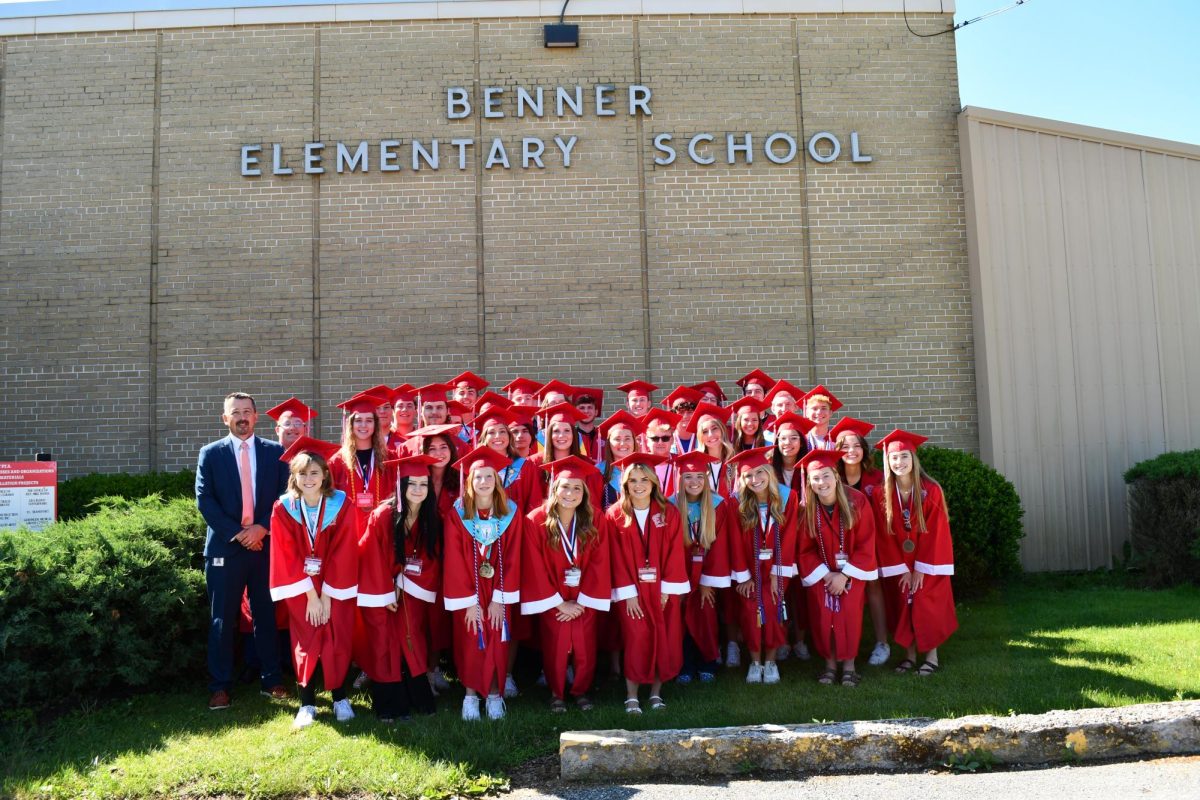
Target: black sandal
(557, 706)
(827, 677)
(905, 666)
(927, 669)
(851, 679)
(584, 702)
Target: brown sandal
(584, 702)
(827, 677)
(905, 666)
(851, 679)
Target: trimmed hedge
(985, 519)
(76, 497)
(1164, 529)
(114, 599)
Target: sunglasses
(659, 438)
(684, 407)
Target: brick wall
(136, 293)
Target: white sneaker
(470, 711)
(880, 654)
(342, 710)
(770, 672)
(755, 673)
(510, 687)
(304, 717)
(495, 706)
(801, 650)
(733, 655)
(782, 653)
(439, 680)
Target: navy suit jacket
(219, 492)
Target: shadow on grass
(1026, 650)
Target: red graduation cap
(561, 412)
(756, 376)
(432, 391)
(619, 418)
(554, 385)
(902, 439)
(470, 379)
(637, 387)
(293, 405)
(362, 402)
(681, 394)
(412, 466)
(820, 458)
(660, 416)
(525, 385)
(382, 391)
(405, 391)
(750, 459)
(851, 425)
(795, 420)
(457, 409)
(710, 386)
(759, 406)
(706, 410)
(482, 456)
(645, 459)
(307, 444)
(445, 429)
(820, 392)
(571, 467)
(490, 398)
(783, 386)
(494, 415)
(523, 415)
(695, 461)
(581, 393)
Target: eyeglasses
(659, 438)
(684, 407)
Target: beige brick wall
(320, 287)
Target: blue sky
(1130, 66)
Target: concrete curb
(1058, 736)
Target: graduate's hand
(836, 583)
(911, 581)
(775, 588)
(391, 606)
(495, 615)
(473, 619)
(567, 611)
(326, 608)
(708, 596)
(918, 580)
(634, 609)
(312, 610)
(662, 601)
(744, 588)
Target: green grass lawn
(1045, 643)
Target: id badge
(842, 560)
(365, 500)
(312, 566)
(571, 576)
(699, 559)
(412, 566)
(648, 574)
(765, 554)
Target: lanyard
(569, 542)
(907, 512)
(823, 514)
(365, 472)
(643, 534)
(313, 527)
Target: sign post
(28, 494)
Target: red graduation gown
(927, 617)
(653, 644)
(383, 638)
(330, 643)
(594, 483)
(347, 478)
(762, 628)
(836, 633)
(544, 588)
(706, 568)
(521, 484)
(481, 668)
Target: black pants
(308, 694)
(398, 699)
(693, 662)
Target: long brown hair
(349, 443)
(499, 498)
(585, 526)
(920, 480)
(867, 465)
(748, 501)
(811, 503)
(299, 464)
(708, 516)
(656, 495)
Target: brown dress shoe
(219, 700)
(277, 693)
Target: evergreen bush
(1164, 518)
(77, 495)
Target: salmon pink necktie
(247, 487)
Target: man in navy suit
(238, 479)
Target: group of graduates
(451, 518)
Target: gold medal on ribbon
(486, 570)
(909, 545)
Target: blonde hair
(727, 450)
(841, 500)
(748, 501)
(656, 495)
(708, 516)
(350, 443)
(499, 498)
(300, 463)
(920, 479)
(585, 526)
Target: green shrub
(1164, 506)
(116, 599)
(76, 496)
(985, 519)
